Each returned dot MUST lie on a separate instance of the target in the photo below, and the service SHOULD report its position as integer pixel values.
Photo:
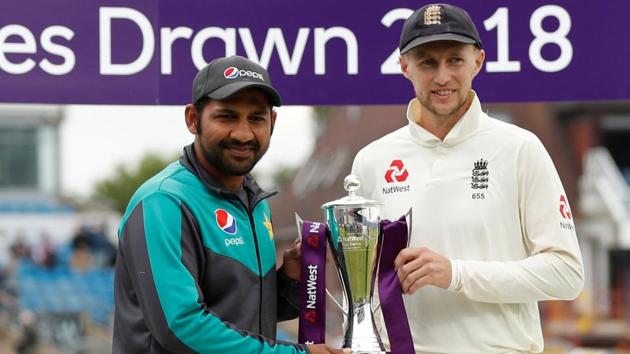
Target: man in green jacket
(196, 267)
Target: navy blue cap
(438, 22)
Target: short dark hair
(201, 104)
(199, 107)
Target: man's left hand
(421, 266)
(291, 260)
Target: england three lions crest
(480, 175)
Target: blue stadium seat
(63, 290)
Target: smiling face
(232, 134)
(441, 73)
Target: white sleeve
(553, 268)
(358, 170)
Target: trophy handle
(409, 218)
(338, 256)
(377, 264)
(298, 223)
(339, 306)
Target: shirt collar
(465, 126)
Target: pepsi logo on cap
(231, 73)
(225, 221)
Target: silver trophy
(354, 227)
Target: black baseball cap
(223, 77)
(438, 22)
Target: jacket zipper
(260, 277)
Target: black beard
(214, 155)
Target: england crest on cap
(433, 15)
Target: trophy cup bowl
(354, 227)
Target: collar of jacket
(465, 127)
(254, 193)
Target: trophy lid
(351, 184)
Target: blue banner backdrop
(317, 52)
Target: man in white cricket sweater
(493, 232)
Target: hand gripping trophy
(364, 248)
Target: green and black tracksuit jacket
(187, 281)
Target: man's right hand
(324, 349)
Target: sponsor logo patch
(230, 73)
(313, 241)
(233, 72)
(565, 211)
(311, 316)
(397, 172)
(234, 241)
(225, 221)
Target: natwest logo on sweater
(565, 211)
(397, 172)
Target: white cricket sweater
(489, 198)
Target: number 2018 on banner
(500, 21)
